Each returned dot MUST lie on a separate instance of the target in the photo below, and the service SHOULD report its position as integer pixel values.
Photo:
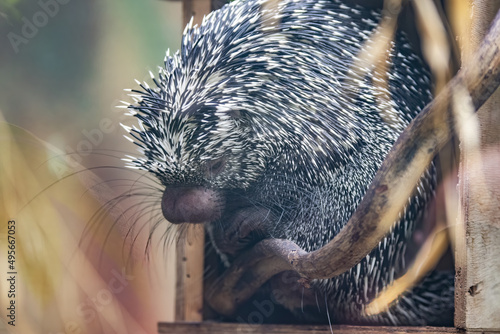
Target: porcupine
(250, 130)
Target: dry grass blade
(57, 275)
(427, 258)
(434, 41)
(374, 56)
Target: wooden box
(477, 253)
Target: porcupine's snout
(191, 204)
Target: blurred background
(64, 65)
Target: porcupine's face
(198, 151)
(195, 131)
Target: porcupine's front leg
(240, 229)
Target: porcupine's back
(301, 130)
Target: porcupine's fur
(275, 104)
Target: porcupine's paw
(242, 229)
(306, 302)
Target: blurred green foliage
(8, 9)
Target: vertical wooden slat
(477, 303)
(189, 285)
(190, 251)
(196, 9)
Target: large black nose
(195, 204)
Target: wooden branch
(388, 193)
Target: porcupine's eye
(236, 114)
(215, 167)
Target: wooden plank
(196, 9)
(190, 251)
(477, 303)
(189, 285)
(231, 328)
